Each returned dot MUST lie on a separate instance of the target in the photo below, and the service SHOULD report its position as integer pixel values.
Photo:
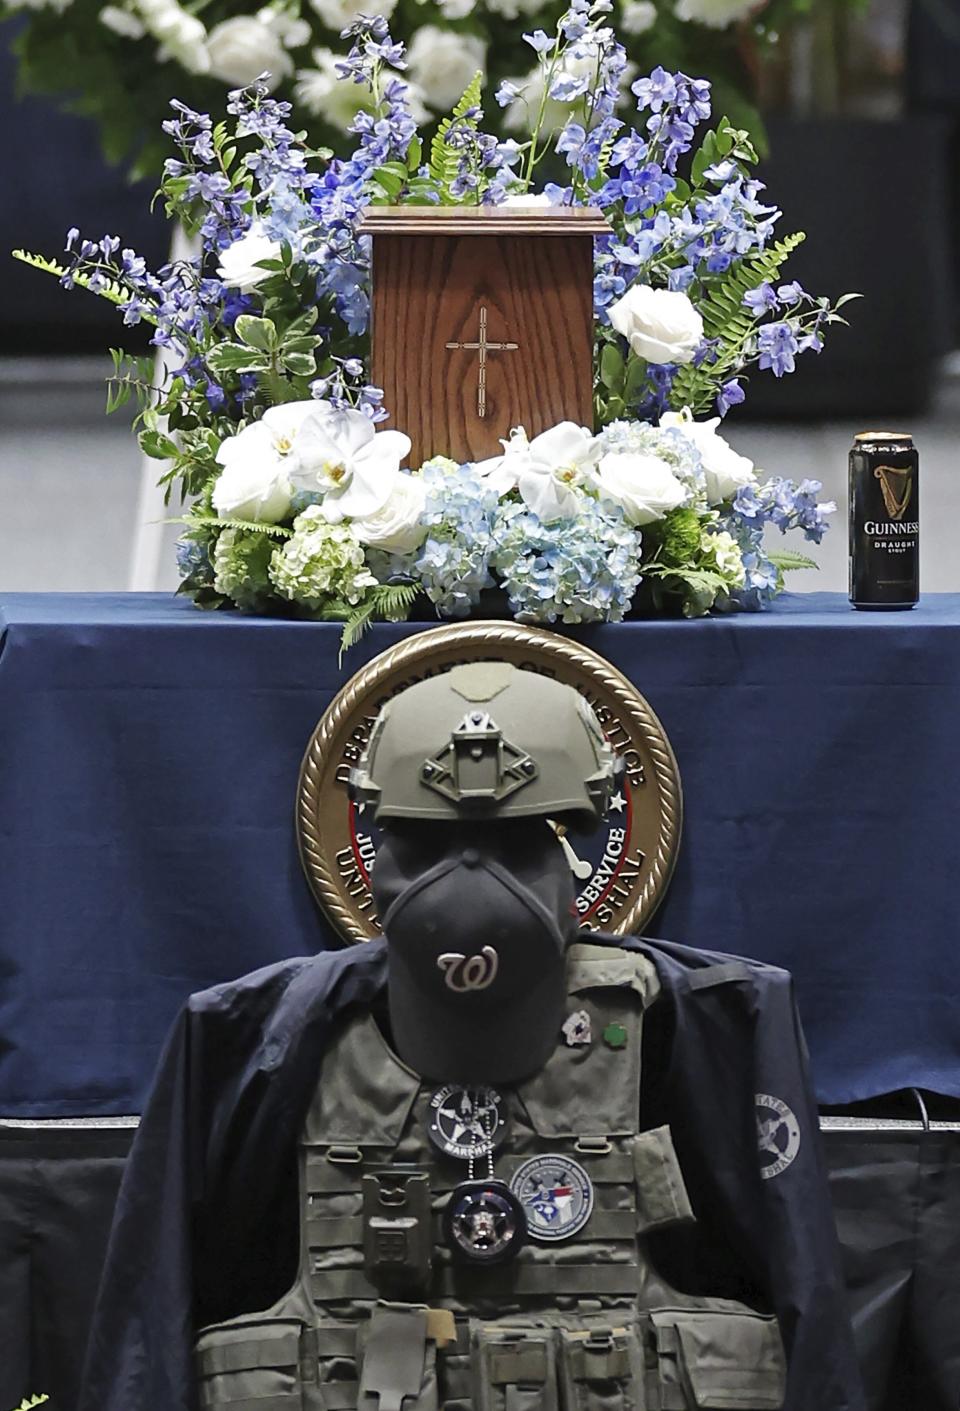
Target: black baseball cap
(477, 919)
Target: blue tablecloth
(148, 765)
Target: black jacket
(206, 1221)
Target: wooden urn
(482, 320)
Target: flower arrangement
(297, 502)
(119, 60)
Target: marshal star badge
(620, 872)
(466, 1123)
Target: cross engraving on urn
(483, 347)
(481, 320)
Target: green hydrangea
(680, 536)
(241, 562)
(322, 566)
(721, 552)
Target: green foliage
(787, 559)
(391, 602)
(130, 375)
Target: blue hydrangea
(453, 563)
(572, 570)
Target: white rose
(455, 9)
(637, 16)
(715, 13)
(724, 469)
(122, 22)
(242, 48)
(337, 14)
(442, 63)
(238, 265)
(396, 527)
(182, 37)
(660, 325)
(643, 486)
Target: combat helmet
(483, 742)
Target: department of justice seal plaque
(621, 871)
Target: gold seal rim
(411, 652)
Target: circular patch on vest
(778, 1134)
(484, 1222)
(556, 1194)
(466, 1122)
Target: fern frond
(29, 1402)
(250, 526)
(725, 316)
(444, 160)
(112, 290)
(390, 602)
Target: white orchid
(340, 456)
(549, 471)
(258, 462)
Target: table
(148, 764)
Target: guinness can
(884, 521)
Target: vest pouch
(253, 1365)
(398, 1363)
(514, 1369)
(718, 1361)
(601, 1369)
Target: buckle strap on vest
(394, 1359)
(585, 1280)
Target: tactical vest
(580, 1324)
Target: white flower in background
(181, 36)
(510, 9)
(257, 462)
(724, 469)
(442, 63)
(660, 325)
(292, 31)
(242, 48)
(337, 14)
(122, 22)
(341, 457)
(238, 265)
(643, 486)
(396, 526)
(715, 13)
(518, 116)
(637, 16)
(455, 9)
(324, 94)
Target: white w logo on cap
(475, 972)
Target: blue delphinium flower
(777, 344)
(585, 569)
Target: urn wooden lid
(483, 220)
